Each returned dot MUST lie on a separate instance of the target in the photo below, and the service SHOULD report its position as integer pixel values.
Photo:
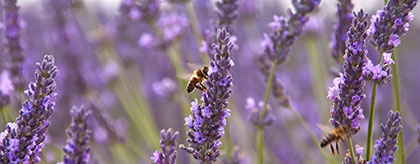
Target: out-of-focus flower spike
(227, 13)
(255, 113)
(77, 148)
(13, 47)
(338, 42)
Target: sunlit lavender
(209, 82)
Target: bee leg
(332, 149)
(200, 87)
(204, 87)
(336, 147)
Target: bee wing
(193, 66)
(325, 128)
(185, 76)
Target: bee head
(205, 70)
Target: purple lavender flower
(386, 28)
(22, 141)
(348, 90)
(168, 147)
(338, 45)
(227, 14)
(284, 32)
(208, 119)
(146, 10)
(386, 146)
(77, 148)
(255, 113)
(359, 157)
(13, 46)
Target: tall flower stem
(3, 115)
(192, 16)
(260, 135)
(396, 100)
(372, 115)
(353, 157)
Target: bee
(338, 134)
(197, 79)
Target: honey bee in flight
(197, 79)
(336, 135)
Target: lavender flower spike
(386, 146)
(347, 94)
(338, 44)
(22, 141)
(168, 147)
(386, 28)
(285, 30)
(208, 118)
(13, 46)
(77, 147)
(359, 157)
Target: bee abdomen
(190, 87)
(327, 139)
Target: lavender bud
(255, 113)
(284, 32)
(13, 46)
(77, 148)
(208, 118)
(29, 129)
(338, 43)
(386, 146)
(168, 147)
(348, 91)
(359, 157)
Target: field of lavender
(209, 81)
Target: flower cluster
(22, 141)
(386, 146)
(348, 90)
(168, 147)
(13, 46)
(208, 119)
(338, 44)
(146, 10)
(255, 113)
(284, 32)
(386, 28)
(359, 157)
(77, 147)
(236, 158)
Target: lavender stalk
(387, 26)
(22, 141)
(77, 148)
(386, 146)
(208, 119)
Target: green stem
(189, 6)
(371, 115)
(3, 115)
(260, 146)
(353, 157)
(397, 106)
(311, 133)
(260, 137)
